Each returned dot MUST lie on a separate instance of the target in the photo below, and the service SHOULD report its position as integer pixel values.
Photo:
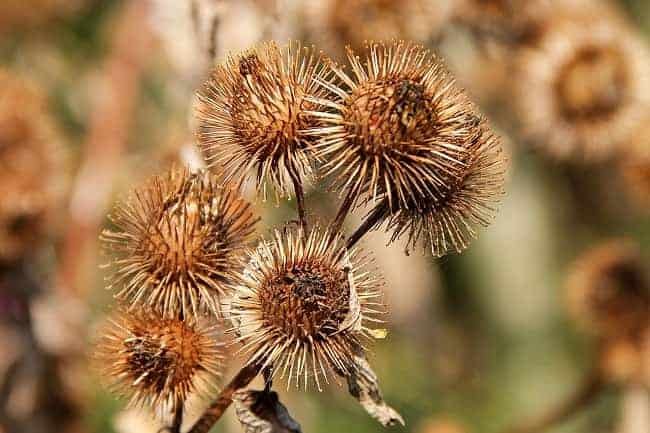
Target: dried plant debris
(364, 386)
(262, 412)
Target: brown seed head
(608, 290)
(336, 23)
(253, 115)
(176, 243)
(304, 305)
(159, 362)
(450, 223)
(582, 86)
(627, 360)
(31, 175)
(400, 130)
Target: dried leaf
(352, 321)
(262, 412)
(364, 386)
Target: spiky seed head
(470, 202)
(305, 305)
(400, 129)
(252, 115)
(582, 86)
(176, 242)
(158, 362)
(608, 290)
(336, 23)
(31, 169)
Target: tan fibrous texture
(470, 202)
(253, 114)
(403, 133)
(156, 362)
(609, 291)
(337, 23)
(176, 242)
(582, 85)
(31, 169)
(305, 306)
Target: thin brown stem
(343, 212)
(586, 393)
(300, 201)
(213, 413)
(375, 217)
(177, 422)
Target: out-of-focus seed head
(176, 243)
(305, 305)
(627, 360)
(158, 362)
(18, 14)
(451, 222)
(253, 114)
(582, 86)
(608, 290)
(400, 129)
(336, 23)
(31, 172)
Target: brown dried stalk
(106, 140)
(213, 413)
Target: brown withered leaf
(364, 386)
(262, 412)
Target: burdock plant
(395, 133)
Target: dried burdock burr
(176, 242)
(582, 85)
(252, 117)
(450, 223)
(305, 306)
(157, 362)
(404, 137)
(31, 169)
(609, 291)
(336, 23)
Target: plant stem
(343, 211)
(213, 413)
(375, 217)
(591, 388)
(178, 419)
(300, 201)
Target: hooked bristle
(304, 305)
(253, 114)
(157, 362)
(176, 244)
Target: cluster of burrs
(394, 134)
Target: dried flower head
(31, 173)
(252, 115)
(176, 243)
(470, 202)
(336, 23)
(582, 86)
(304, 306)
(402, 131)
(608, 290)
(158, 362)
